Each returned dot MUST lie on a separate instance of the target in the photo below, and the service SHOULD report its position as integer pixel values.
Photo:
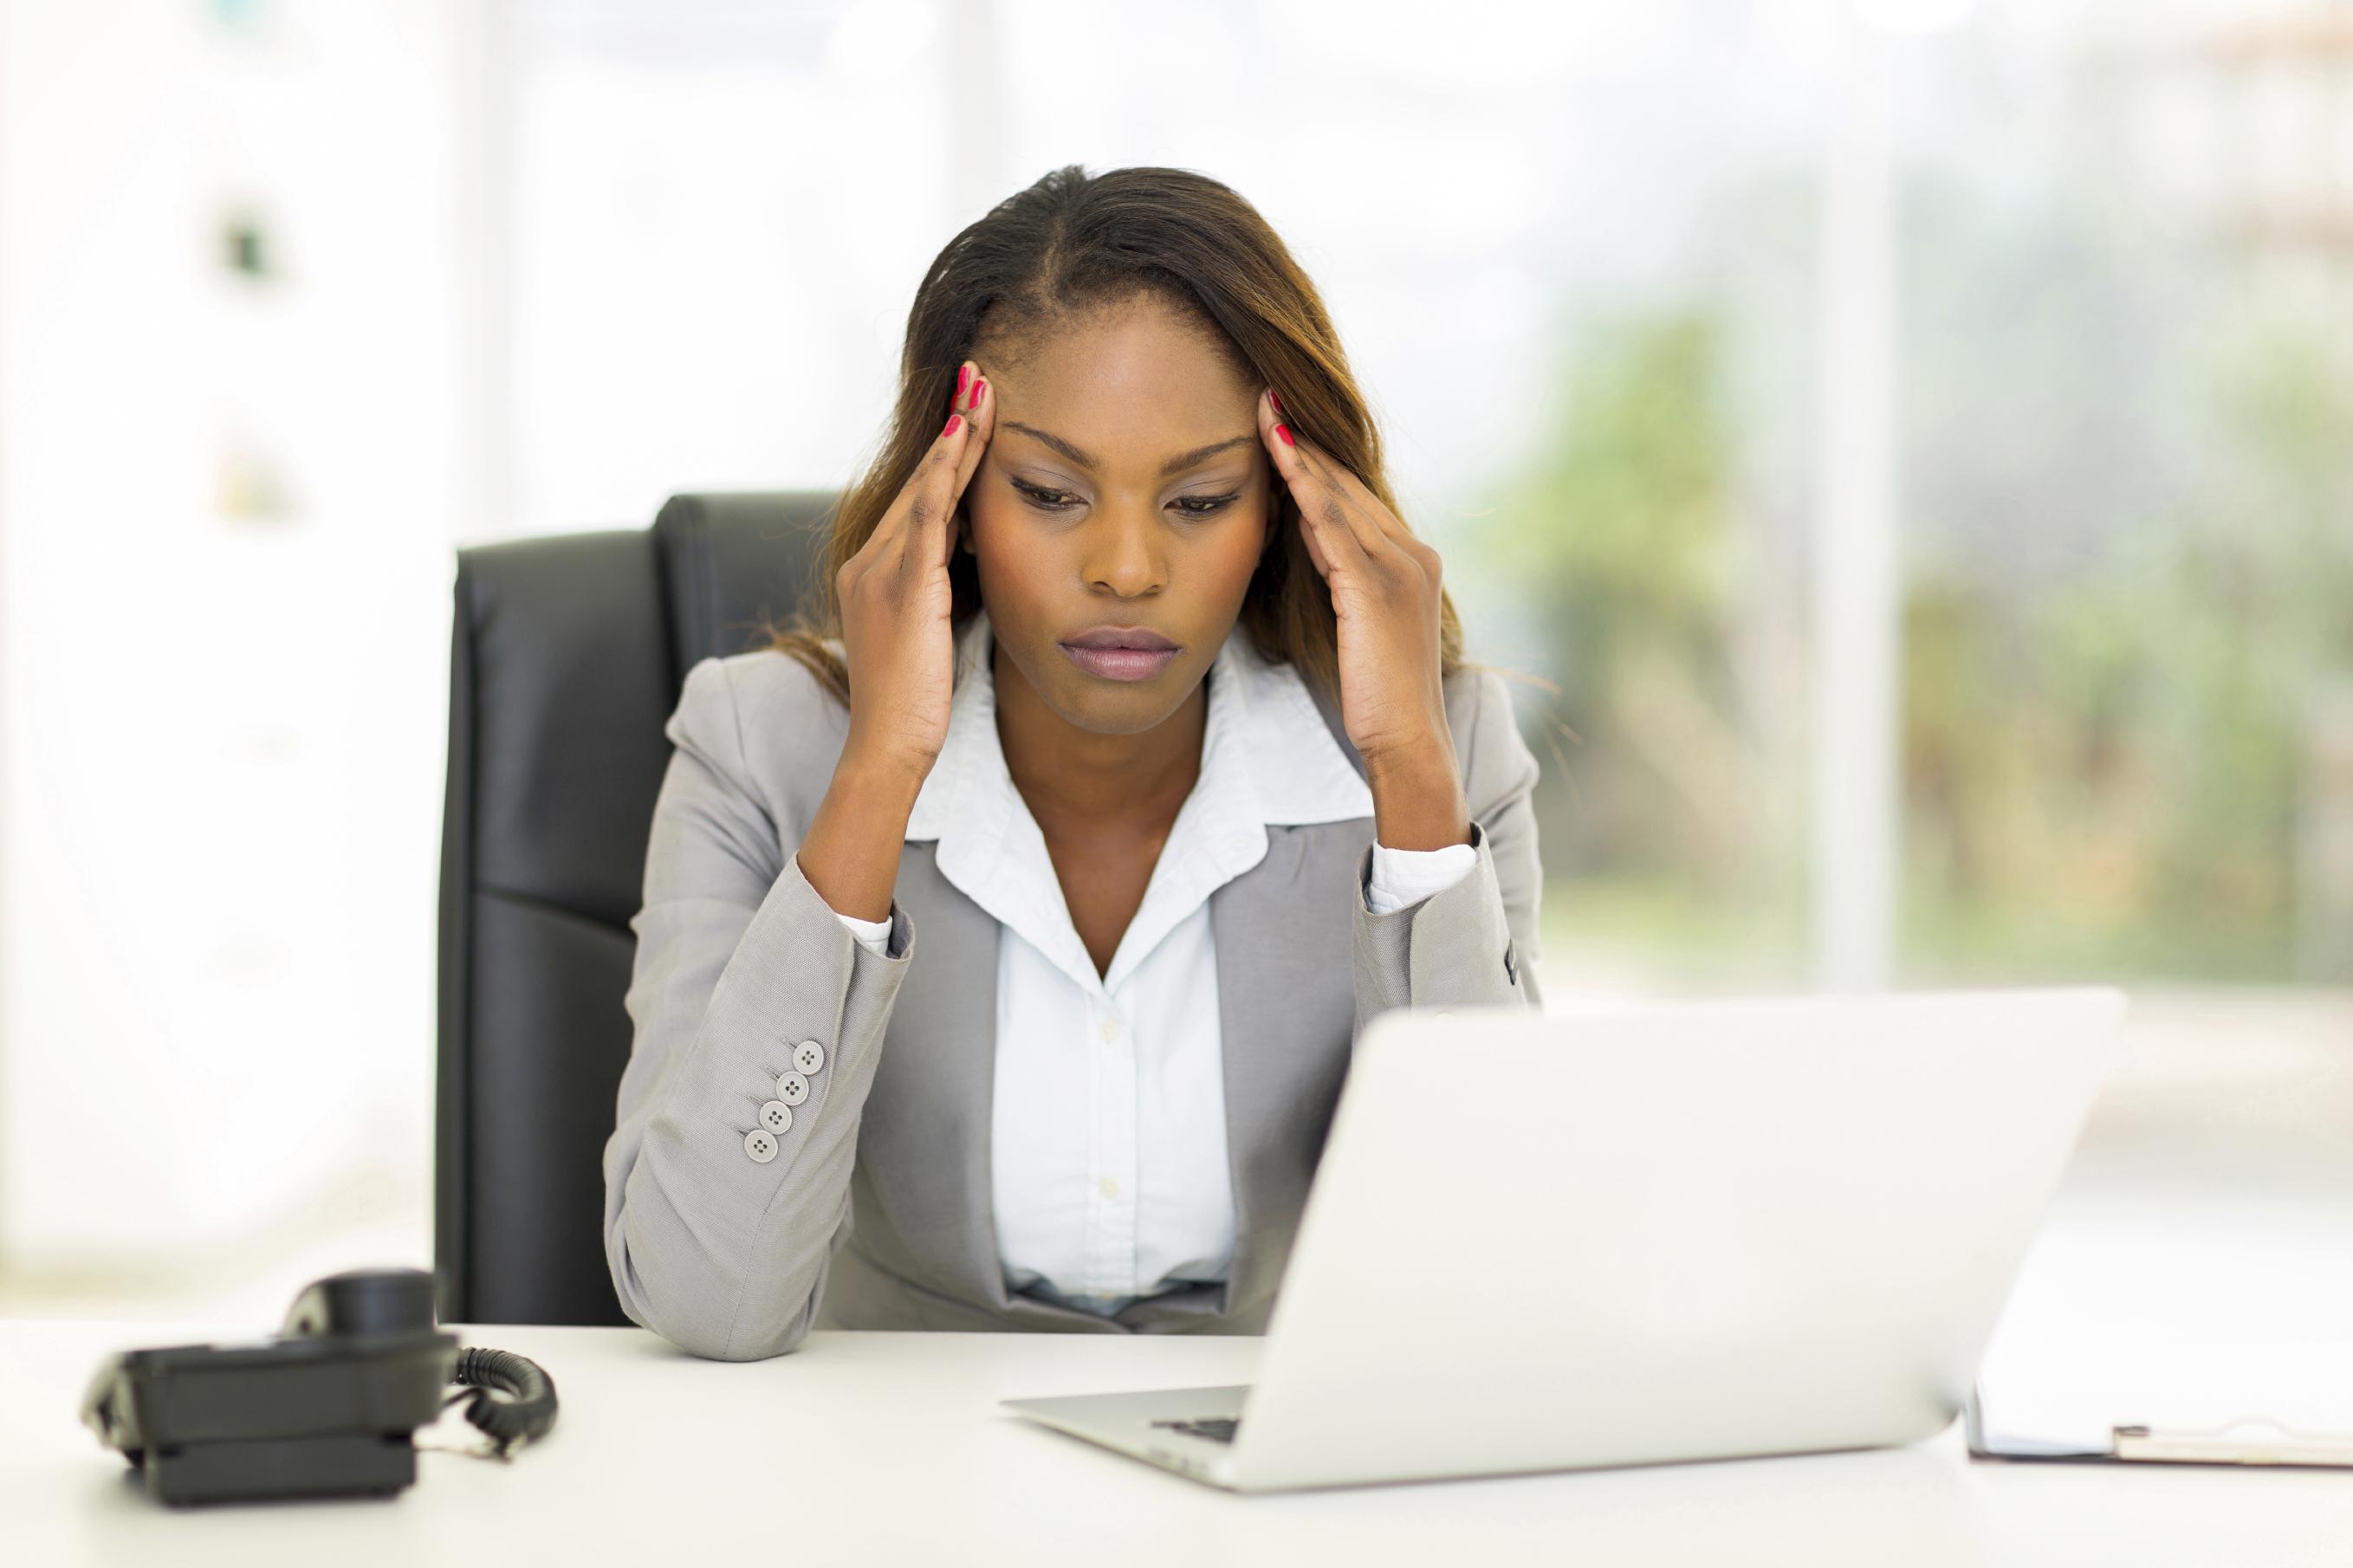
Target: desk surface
(887, 1449)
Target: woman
(1003, 947)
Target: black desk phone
(327, 1408)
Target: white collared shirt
(1109, 1170)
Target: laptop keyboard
(1215, 1428)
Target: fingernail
(1284, 431)
(963, 374)
(980, 391)
(1274, 398)
(950, 429)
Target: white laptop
(1656, 1232)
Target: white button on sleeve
(808, 1058)
(792, 1089)
(875, 936)
(777, 1117)
(760, 1144)
(1402, 878)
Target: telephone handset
(327, 1408)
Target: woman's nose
(1122, 555)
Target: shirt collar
(1267, 759)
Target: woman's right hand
(895, 599)
(899, 648)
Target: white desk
(889, 1448)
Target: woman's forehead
(1129, 380)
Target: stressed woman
(1005, 936)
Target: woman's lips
(1121, 653)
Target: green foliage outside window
(2140, 765)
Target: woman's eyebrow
(1176, 465)
(1054, 441)
(1183, 461)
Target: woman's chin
(1120, 708)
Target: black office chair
(567, 659)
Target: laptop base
(1172, 1427)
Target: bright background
(2047, 302)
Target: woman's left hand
(1384, 591)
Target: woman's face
(1119, 512)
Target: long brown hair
(1074, 241)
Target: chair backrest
(568, 655)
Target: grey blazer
(875, 1212)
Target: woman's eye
(1203, 505)
(1045, 500)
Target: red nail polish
(1284, 431)
(1274, 398)
(980, 391)
(963, 374)
(950, 429)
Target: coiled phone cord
(510, 1400)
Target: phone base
(248, 1469)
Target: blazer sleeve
(1473, 944)
(739, 961)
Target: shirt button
(1108, 1029)
(759, 1145)
(792, 1089)
(777, 1117)
(1108, 1187)
(808, 1058)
